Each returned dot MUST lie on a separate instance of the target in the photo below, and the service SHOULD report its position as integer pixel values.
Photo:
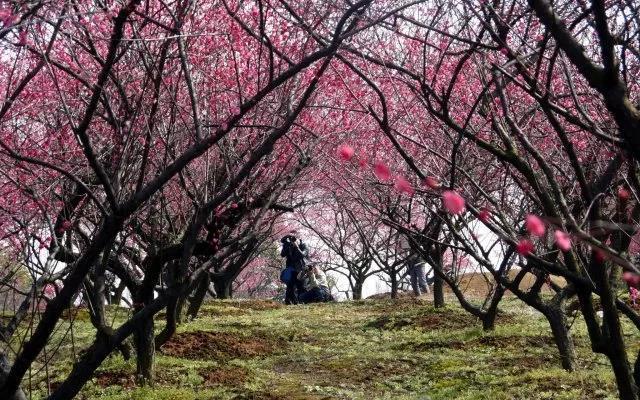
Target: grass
(378, 349)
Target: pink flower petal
(381, 171)
(431, 182)
(534, 225)
(563, 240)
(484, 215)
(633, 280)
(623, 194)
(402, 185)
(345, 152)
(453, 202)
(525, 247)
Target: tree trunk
(170, 327)
(4, 371)
(144, 333)
(394, 285)
(627, 388)
(614, 339)
(180, 308)
(222, 286)
(357, 289)
(117, 294)
(489, 319)
(562, 337)
(198, 297)
(97, 312)
(438, 291)
(144, 338)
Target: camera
(288, 238)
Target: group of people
(306, 282)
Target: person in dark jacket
(295, 253)
(417, 274)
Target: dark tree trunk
(357, 289)
(489, 319)
(438, 291)
(144, 337)
(622, 370)
(116, 299)
(394, 285)
(616, 349)
(84, 368)
(222, 286)
(96, 293)
(171, 323)
(174, 278)
(144, 332)
(562, 337)
(4, 371)
(198, 297)
(180, 308)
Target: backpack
(286, 275)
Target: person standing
(417, 274)
(295, 253)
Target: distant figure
(316, 286)
(417, 274)
(295, 254)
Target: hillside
(359, 350)
(476, 283)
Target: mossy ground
(369, 349)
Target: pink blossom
(402, 185)
(633, 280)
(623, 194)
(534, 225)
(362, 163)
(345, 152)
(504, 51)
(599, 256)
(453, 202)
(7, 17)
(431, 182)
(381, 171)
(563, 241)
(525, 247)
(484, 215)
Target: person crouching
(315, 284)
